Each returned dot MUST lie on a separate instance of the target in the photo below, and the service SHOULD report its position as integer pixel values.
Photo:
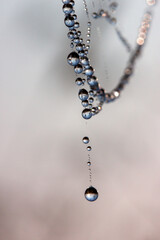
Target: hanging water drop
(89, 148)
(67, 8)
(86, 114)
(85, 140)
(79, 81)
(73, 58)
(69, 21)
(84, 103)
(91, 194)
(83, 94)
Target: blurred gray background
(43, 172)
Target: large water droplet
(73, 58)
(86, 114)
(69, 21)
(85, 140)
(83, 94)
(91, 194)
(67, 8)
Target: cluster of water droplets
(93, 99)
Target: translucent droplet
(91, 100)
(86, 114)
(85, 103)
(65, 1)
(91, 194)
(113, 21)
(113, 6)
(140, 41)
(89, 71)
(83, 94)
(76, 25)
(81, 53)
(67, 8)
(85, 140)
(84, 60)
(72, 45)
(92, 81)
(73, 59)
(72, 2)
(79, 47)
(89, 148)
(78, 69)
(91, 93)
(89, 163)
(70, 35)
(95, 15)
(76, 40)
(75, 16)
(69, 21)
(79, 81)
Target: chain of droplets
(81, 63)
(91, 193)
(87, 47)
(86, 141)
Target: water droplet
(91, 100)
(72, 45)
(79, 47)
(91, 93)
(89, 148)
(73, 58)
(113, 6)
(89, 71)
(83, 94)
(89, 163)
(85, 103)
(67, 8)
(85, 140)
(84, 60)
(78, 69)
(92, 81)
(91, 194)
(95, 15)
(69, 21)
(79, 81)
(86, 114)
(70, 35)
(65, 1)
(76, 25)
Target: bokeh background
(43, 172)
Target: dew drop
(89, 148)
(86, 113)
(85, 103)
(91, 194)
(85, 140)
(67, 8)
(83, 94)
(69, 21)
(79, 81)
(73, 58)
